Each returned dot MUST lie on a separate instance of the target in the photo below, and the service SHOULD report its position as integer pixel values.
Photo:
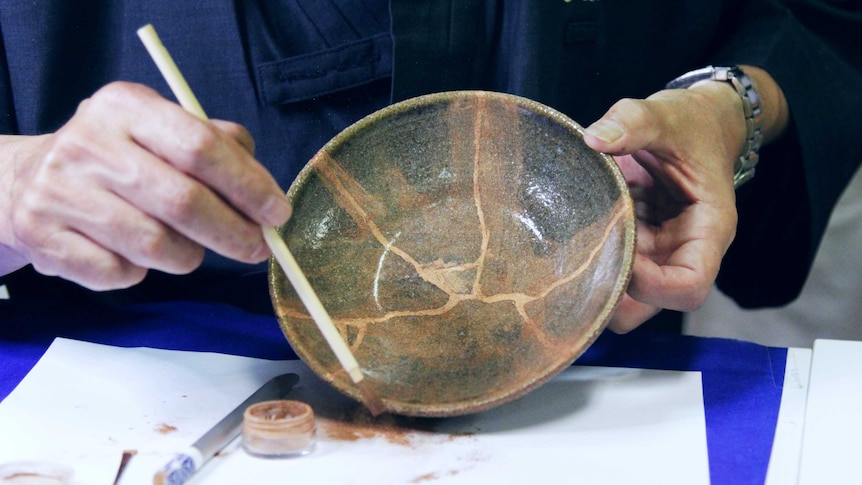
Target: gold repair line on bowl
(478, 136)
(618, 214)
(344, 186)
(349, 194)
(520, 300)
(333, 174)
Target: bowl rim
(582, 343)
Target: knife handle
(180, 468)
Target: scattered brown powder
(429, 477)
(425, 478)
(361, 425)
(165, 428)
(358, 424)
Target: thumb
(627, 127)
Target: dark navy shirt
(296, 72)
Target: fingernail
(276, 211)
(605, 130)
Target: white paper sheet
(787, 445)
(83, 404)
(833, 415)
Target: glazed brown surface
(468, 245)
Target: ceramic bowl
(468, 246)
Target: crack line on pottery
(519, 299)
(477, 193)
(351, 196)
(331, 172)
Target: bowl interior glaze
(468, 246)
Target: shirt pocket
(328, 71)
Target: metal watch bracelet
(744, 167)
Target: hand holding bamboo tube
(279, 249)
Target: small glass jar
(279, 429)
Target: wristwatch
(744, 167)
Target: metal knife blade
(185, 464)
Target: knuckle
(193, 258)
(183, 202)
(107, 98)
(153, 242)
(249, 245)
(66, 149)
(621, 326)
(198, 141)
(29, 220)
(237, 132)
(25, 225)
(160, 248)
(695, 298)
(118, 93)
(116, 276)
(115, 97)
(700, 295)
(633, 109)
(247, 186)
(119, 279)
(95, 269)
(51, 256)
(44, 266)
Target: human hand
(677, 151)
(133, 182)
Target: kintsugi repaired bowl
(468, 246)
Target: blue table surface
(742, 382)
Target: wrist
(775, 111)
(736, 87)
(726, 106)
